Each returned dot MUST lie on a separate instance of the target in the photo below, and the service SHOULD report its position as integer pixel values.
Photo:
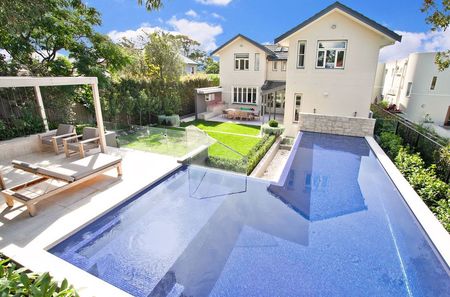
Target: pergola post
(99, 117)
(37, 92)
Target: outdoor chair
(231, 114)
(82, 143)
(68, 176)
(224, 113)
(55, 138)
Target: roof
(209, 90)
(258, 45)
(186, 60)
(279, 52)
(337, 5)
(272, 84)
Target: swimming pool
(337, 226)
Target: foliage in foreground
(433, 191)
(16, 281)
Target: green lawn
(175, 143)
(241, 144)
(224, 127)
(157, 143)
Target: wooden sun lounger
(70, 174)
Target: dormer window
(241, 62)
(331, 54)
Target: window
(283, 65)
(209, 97)
(408, 89)
(244, 95)
(241, 62)
(301, 54)
(257, 62)
(433, 83)
(274, 65)
(331, 54)
(298, 102)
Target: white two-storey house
(318, 76)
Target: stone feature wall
(351, 126)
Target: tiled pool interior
(337, 227)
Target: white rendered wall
(244, 78)
(378, 85)
(423, 100)
(275, 75)
(340, 92)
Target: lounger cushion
(89, 133)
(57, 172)
(64, 129)
(92, 164)
(48, 140)
(25, 166)
(74, 146)
(81, 168)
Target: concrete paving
(26, 238)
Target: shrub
(236, 165)
(390, 143)
(423, 180)
(259, 151)
(442, 211)
(249, 162)
(443, 163)
(384, 104)
(273, 123)
(16, 281)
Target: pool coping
(436, 233)
(285, 172)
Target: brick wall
(351, 126)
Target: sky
(213, 22)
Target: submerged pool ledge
(430, 224)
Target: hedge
(424, 180)
(247, 163)
(18, 281)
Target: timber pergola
(37, 82)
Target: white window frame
(433, 83)
(301, 54)
(297, 108)
(325, 50)
(257, 57)
(246, 62)
(409, 89)
(246, 95)
(283, 65)
(274, 65)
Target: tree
(211, 66)
(34, 33)
(438, 17)
(162, 57)
(151, 4)
(188, 45)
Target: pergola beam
(36, 82)
(30, 81)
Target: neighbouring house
(190, 66)
(417, 87)
(322, 69)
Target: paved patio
(219, 118)
(26, 238)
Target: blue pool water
(336, 227)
